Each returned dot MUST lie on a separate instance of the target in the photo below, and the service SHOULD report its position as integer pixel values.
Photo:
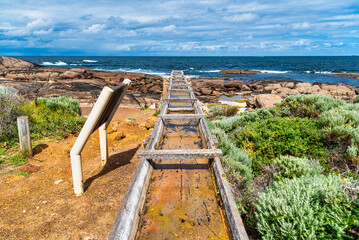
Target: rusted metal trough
(179, 189)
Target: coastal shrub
(227, 124)
(54, 116)
(310, 207)
(227, 111)
(341, 126)
(215, 111)
(10, 106)
(265, 140)
(307, 105)
(236, 161)
(259, 115)
(231, 111)
(290, 167)
(356, 99)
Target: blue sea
(308, 69)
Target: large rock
(271, 87)
(206, 91)
(267, 100)
(71, 74)
(14, 63)
(234, 84)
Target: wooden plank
(181, 109)
(128, 216)
(181, 116)
(181, 99)
(181, 90)
(179, 85)
(230, 207)
(179, 153)
(23, 127)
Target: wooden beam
(179, 85)
(182, 109)
(181, 116)
(181, 90)
(181, 99)
(179, 153)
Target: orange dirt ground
(43, 206)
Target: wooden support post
(103, 143)
(24, 134)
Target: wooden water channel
(179, 190)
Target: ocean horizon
(302, 68)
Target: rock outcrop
(33, 80)
(291, 87)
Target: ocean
(308, 69)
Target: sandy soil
(43, 206)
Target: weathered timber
(181, 90)
(184, 109)
(179, 154)
(24, 134)
(181, 116)
(231, 210)
(181, 99)
(125, 225)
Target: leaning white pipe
(84, 135)
(103, 143)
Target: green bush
(265, 140)
(53, 117)
(231, 111)
(356, 99)
(215, 111)
(10, 105)
(341, 126)
(307, 105)
(236, 161)
(313, 207)
(290, 167)
(227, 124)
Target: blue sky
(179, 27)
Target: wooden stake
(24, 134)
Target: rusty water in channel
(181, 201)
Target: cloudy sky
(179, 27)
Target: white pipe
(84, 135)
(86, 132)
(77, 177)
(103, 143)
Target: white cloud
(43, 32)
(94, 28)
(301, 26)
(302, 42)
(37, 24)
(244, 17)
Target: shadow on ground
(114, 161)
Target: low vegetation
(49, 117)
(294, 167)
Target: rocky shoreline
(32, 80)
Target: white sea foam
(209, 71)
(324, 72)
(139, 70)
(58, 63)
(90, 61)
(273, 71)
